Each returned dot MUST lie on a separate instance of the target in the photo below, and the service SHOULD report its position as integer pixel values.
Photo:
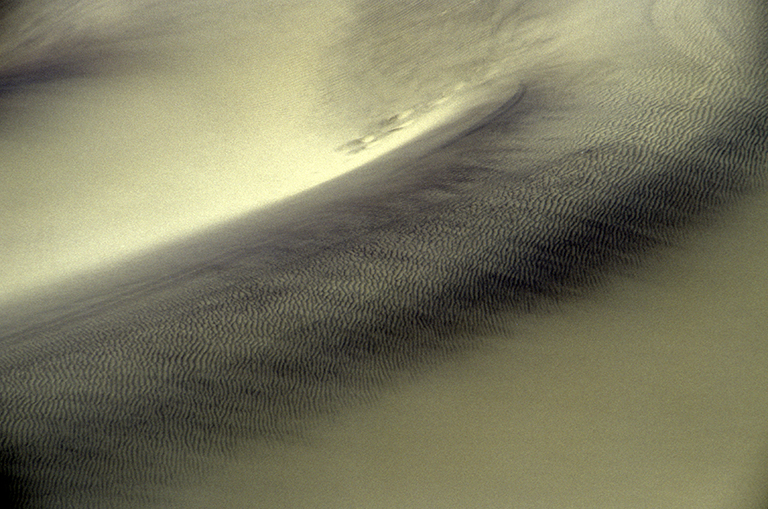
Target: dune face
(523, 266)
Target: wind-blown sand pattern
(384, 254)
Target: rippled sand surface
(349, 254)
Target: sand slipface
(356, 254)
